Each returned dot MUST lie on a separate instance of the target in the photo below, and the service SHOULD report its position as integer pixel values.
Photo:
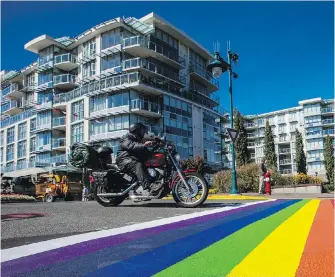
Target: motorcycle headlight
(177, 157)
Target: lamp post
(218, 66)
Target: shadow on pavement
(174, 205)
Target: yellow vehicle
(49, 187)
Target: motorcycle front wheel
(199, 194)
(107, 201)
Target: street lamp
(218, 66)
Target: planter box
(302, 188)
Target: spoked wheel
(196, 197)
(49, 198)
(107, 201)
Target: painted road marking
(35, 248)
(220, 258)
(280, 253)
(318, 257)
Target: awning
(25, 172)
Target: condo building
(314, 118)
(91, 88)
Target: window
(293, 126)
(282, 128)
(281, 118)
(44, 118)
(10, 135)
(32, 145)
(43, 139)
(77, 111)
(110, 38)
(89, 48)
(292, 115)
(44, 78)
(282, 138)
(77, 133)
(2, 138)
(33, 124)
(44, 97)
(1, 155)
(30, 80)
(43, 158)
(22, 133)
(110, 62)
(10, 153)
(21, 149)
(117, 100)
(89, 69)
(312, 108)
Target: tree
(269, 148)
(241, 143)
(329, 159)
(300, 154)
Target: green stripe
(221, 257)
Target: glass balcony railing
(204, 74)
(58, 159)
(328, 121)
(328, 132)
(139, 40)
(143, 63)
(61, 98)
(10, 89)
(64, 78)
(65, 58)
(141, 104)
(327, 110)
(59, 121)
(45, 59)
(17, 118)
(10, 105)
(59, 142)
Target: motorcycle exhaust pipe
(140, 197)
(117, 193)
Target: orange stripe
(318, 256)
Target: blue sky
(285, 48)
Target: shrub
(16, 197)
(195, 163)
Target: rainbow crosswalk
(270, 238)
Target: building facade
(314, 118)
(91, 88)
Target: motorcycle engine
(155, 173)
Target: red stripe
(318, 256)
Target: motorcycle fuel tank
(156, 160)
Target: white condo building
(314, 118)
(91, 88)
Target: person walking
(262, 171)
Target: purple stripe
(32, 262)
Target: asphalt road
(25, 223)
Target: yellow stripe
(280, 253)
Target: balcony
(285, 151)
(65, 81)
(45, 63)
(60, 159)
(328, 110)
(60, 100)
(105, 112)
(313, 123)
(139, 46)
(145, 108)
(285, 162)
(13, 91)
(66, 62)
(143, 64)
(204, 77)
(328, 122)
(43, 127)
(43, 148)
(250, 125)
(59, 144)
(311, 135)
(11, 107)
(44, 86)
(16, 118)
(329, 132)
(44, 106)
(315, 159)
(59, 123)
(107, 135)
(28, 103)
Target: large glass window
(22, 133)
(30, 80)
(45, 77)
(33, 124)
(43, 139)
(89, 69)
(89, 48)
(10, 135)
(21, 149)
(77, 133)
(110, 38)
(10, 152)
(77, 111)
(44, 97)
(110, 62)
(32, 147)
(117, 100)
(43, 118)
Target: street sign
(233, 133)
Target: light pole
(218, 66)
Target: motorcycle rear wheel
(108, 201)
(200, 201)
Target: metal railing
(65, 58)
(64, 78)
(328, 132)
(17, 118)
(10, 89)
(141, 104)
(59, 121)
(204, 74)
(327, 110)
(285, 150)
(59, 142)
(10, 105)
(139, 40)
(328, 121)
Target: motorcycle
(189, 189)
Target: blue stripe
(152, 262)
